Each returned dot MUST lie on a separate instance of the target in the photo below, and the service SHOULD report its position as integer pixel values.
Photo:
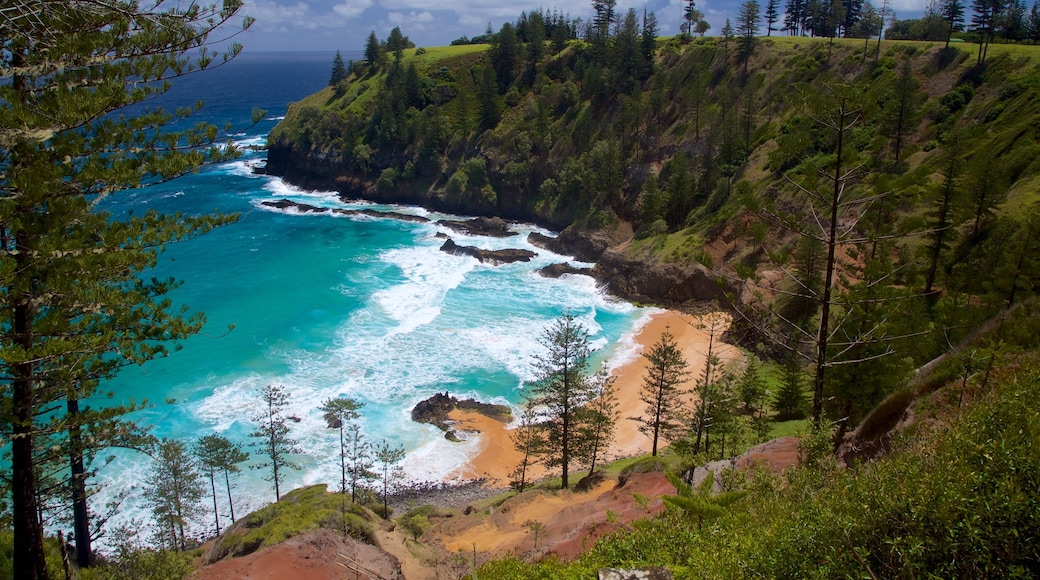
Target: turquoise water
(329, 305)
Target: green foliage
(959, 501)
(415, 522)
(790, 397)
(562, 386)
(74, 308)
(701, 503)
(173, 490)
(272, 436)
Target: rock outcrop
(307, 208)
(645, 279)
(496, 257)
(584, 246)
(435, 411)
(557, 270)
(493, 227)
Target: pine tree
(751, 387)
(943, 212)
(598, 421)
(794, 15)
(339, 70)
(374, 55)
(527, 439)
(605, 16)
(338, 414)
(359, 460)
(390, 472)
(772, 15)
(983, 23)
(903, 111)
(219, 453)
(691, 18)
(790, 397)
(562, 387)
(844, 317)
(1034, 22)
(747, 26)
(273, 437)
(952, 12)
(727, 35)
(73, 308)
(666, 371)
(173, 490)
(712, 386)
(649, 40)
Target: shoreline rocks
(507, 256)
(307, 208)
(557, 270)
(493, 227)
(435, 409)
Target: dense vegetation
(956, 500)
(727, 154)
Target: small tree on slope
(272, 434)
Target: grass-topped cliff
(575, 139)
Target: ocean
(329, 306)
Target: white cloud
(415, 18)
(351, 8)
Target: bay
(329, 306)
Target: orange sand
(497, 457)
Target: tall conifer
(74, 310)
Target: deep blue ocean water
(328, 306)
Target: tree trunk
(231, 504)
(30, 563)
(832, 245)
(78, 482)
(342, 462)
(213, 487)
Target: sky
(328, 25)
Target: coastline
(496, 457)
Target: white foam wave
(627, 349)
(254, 141)
(277, 187)
(430, 274)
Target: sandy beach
(496, 457)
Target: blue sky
(283, 25)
